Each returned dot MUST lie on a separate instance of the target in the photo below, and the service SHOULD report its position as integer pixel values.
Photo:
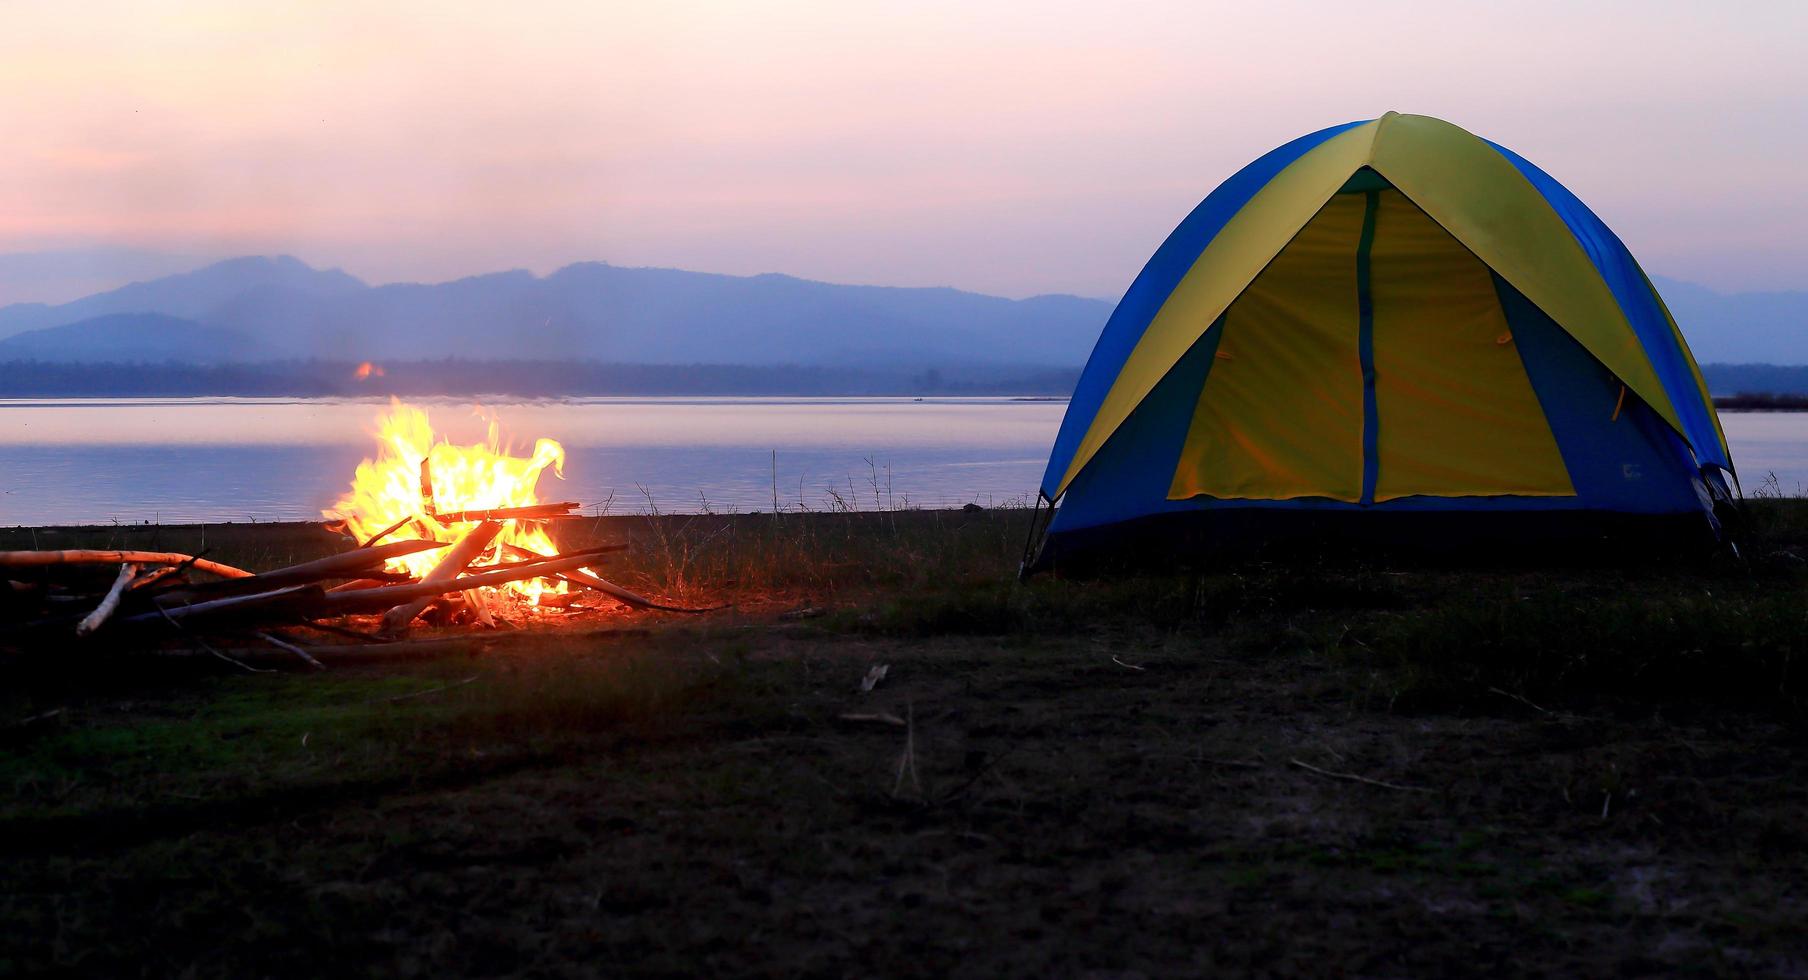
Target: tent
(1391, 330)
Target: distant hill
(280, 308)
(486, 379)
(132, 338)
(1742, 328)
(265, 309)
(61, 275)
(199, 295)
(1742, 379)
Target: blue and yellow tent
(1389, 326)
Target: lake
(224, 459)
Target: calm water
(188, 460)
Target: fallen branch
(38, 559)
(1522, 700)
(93, 620)
(1353, 778)
(884, 717)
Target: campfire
(478, 497)
(447, 533)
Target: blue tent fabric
(1641, 305)
(1158, 278)
(1632, 463)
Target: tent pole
(1029, 541)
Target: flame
(367, 370)
(483, 476)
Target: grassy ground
(1275, 767)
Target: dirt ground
(1262, 769)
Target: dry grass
(1115, 776)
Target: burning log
(372, 582)
(93, 620)
(39, 559)
(386, 532)
(480, 605)
(356, 562)
(372, 600)
(467, 549)
(534, 512)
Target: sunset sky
(1014, 148)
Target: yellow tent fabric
(1457, 414)
(1280, 415)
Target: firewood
(396, 620)
(529, 557)
(35, 559)
(592, 581)
(372, 600)
(358, 561)
(480, 607)
(535, 512)
(386, 532)
(93, 620)
(154, 576)
(280, 605)
(426, 485)
(371, 583)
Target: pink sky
(1013, 148)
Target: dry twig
(1353, 778)
(422, 694)
(907, 762)
(283, 644)
(93, 620)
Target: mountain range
(262, 308)
(279, 308)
